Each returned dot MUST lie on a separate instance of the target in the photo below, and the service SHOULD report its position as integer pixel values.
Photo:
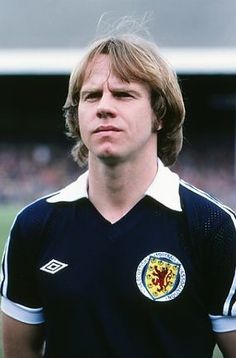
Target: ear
(157, 124)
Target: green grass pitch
(7, 215)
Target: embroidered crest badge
(160, 276)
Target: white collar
(164, 189)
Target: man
(128, 261)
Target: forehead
(99, 65)
(99, 71)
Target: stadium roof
(185, 60)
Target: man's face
(115, 117)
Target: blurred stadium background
(39, 44)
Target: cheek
(81, 119)
(146, 120)
(81, 128)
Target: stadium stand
(31, 171)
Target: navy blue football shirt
(157, 283)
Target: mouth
(103, 128)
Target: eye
(91, 96)
(123, 94)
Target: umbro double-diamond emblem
(53, 266)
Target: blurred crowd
(210, 168)
(31, 171)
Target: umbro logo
(53, 266)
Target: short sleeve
(220, 268)
(19, 288)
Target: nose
(105, 108)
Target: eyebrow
(114, 90)
(125, 89)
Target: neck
(114, 190)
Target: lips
(103, 128)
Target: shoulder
(51, 209)
(201, 200)
(204, 209)
(33, 216)
(41, 209)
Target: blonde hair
(133, 59)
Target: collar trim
(164, 189)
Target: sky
(73, 23)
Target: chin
(110, 160)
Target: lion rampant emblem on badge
(160, 276)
